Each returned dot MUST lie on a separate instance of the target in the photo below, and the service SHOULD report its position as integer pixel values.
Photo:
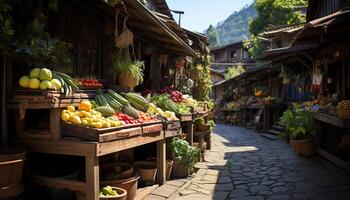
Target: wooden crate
(152, 127)
(170, 125)
(102, 134)
(185, 117)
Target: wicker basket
(343, 113)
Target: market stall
(70, 98)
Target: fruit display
(146, 118)
(87, 116)
(126, 119)
(344, 105)
(129, 110)
(164, 102)
(137, 101)
(154, 110)
(106, 111)
(37, 79)
(176, 96)
(89, 83)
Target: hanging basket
(127, 80)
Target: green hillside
(233, 29)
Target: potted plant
(298, 126)
(185, 157)
(129, 73)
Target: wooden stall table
(322, 119)
(103, 143)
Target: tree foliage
(234, 71)
(212, 35)
(272, 13)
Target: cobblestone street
(243, 165)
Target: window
(233, 54)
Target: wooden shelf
(341, 163)
(331, 119)
(84, 148)
(185, 118)
(172, 133)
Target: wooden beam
(2, 101)
(92, 176)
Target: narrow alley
(243, 165)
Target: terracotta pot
(180, 171)
(129, 184)
(304, 147)
(11, 167)
(146, 169)
(123, 169)
(122, 194)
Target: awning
(278, 52)
(322, 25)
(148, 27)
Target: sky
(199, 14)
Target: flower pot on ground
(298, 126)
(146, 169)
(116, 171)
(168, 167)
(186, 156)
(128, 184)
(112, 193)
(179, 170)
(304, 147)
(11, 168)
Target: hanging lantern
(190, 83)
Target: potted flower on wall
(298, 126)
(185, 157)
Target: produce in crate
(63, 83)
(164, 101)
(129, 110)
(126, 118)
(89, 83)
(168, 115)
(106, 111)
(118, 97)
(86, 116)
(145, 118)
(137, 101)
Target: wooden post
(190, 132)
(55, 124)
(161, 161)
(92, 177)
(3, 132)
(201, 155)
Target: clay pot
(146, 169)
(122, 194)
(128, 184)
(123, 169)
(304, 147)
(11, 167)
(180, 171)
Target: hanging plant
(130, 73)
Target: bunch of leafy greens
(272, 13)
(297, 122)
(188, 154)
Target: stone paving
(243, 165)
